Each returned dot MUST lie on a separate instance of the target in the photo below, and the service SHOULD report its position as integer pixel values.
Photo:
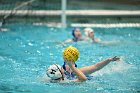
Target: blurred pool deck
(95, 13)
(87, 14)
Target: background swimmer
(2, 29)
(77, 36)
(90, 36)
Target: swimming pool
(26, 50)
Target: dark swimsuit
(74, 39)
(68, 75)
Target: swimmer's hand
(80, 75)
(114, 58)
(97, 40)
(70, 63)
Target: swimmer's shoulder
(69, 41)
(97, 40)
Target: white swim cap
(54, 72)
(88, 30)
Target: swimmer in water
(1, 28)
(89, 32)
(77, 36)
(69, 71)
(90, 36)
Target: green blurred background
(75, 4)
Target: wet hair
(74, 31)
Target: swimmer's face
(91, 34)
(77, 33)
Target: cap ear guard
(60, 72)
(54, 72)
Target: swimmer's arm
(62, 43)
(103, 63)
(90, 69)
(80, 74)
(97, 40)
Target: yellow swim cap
(71, 54)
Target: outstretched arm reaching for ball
(90, 69)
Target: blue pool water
(26, 51)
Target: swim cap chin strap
(60, 72)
